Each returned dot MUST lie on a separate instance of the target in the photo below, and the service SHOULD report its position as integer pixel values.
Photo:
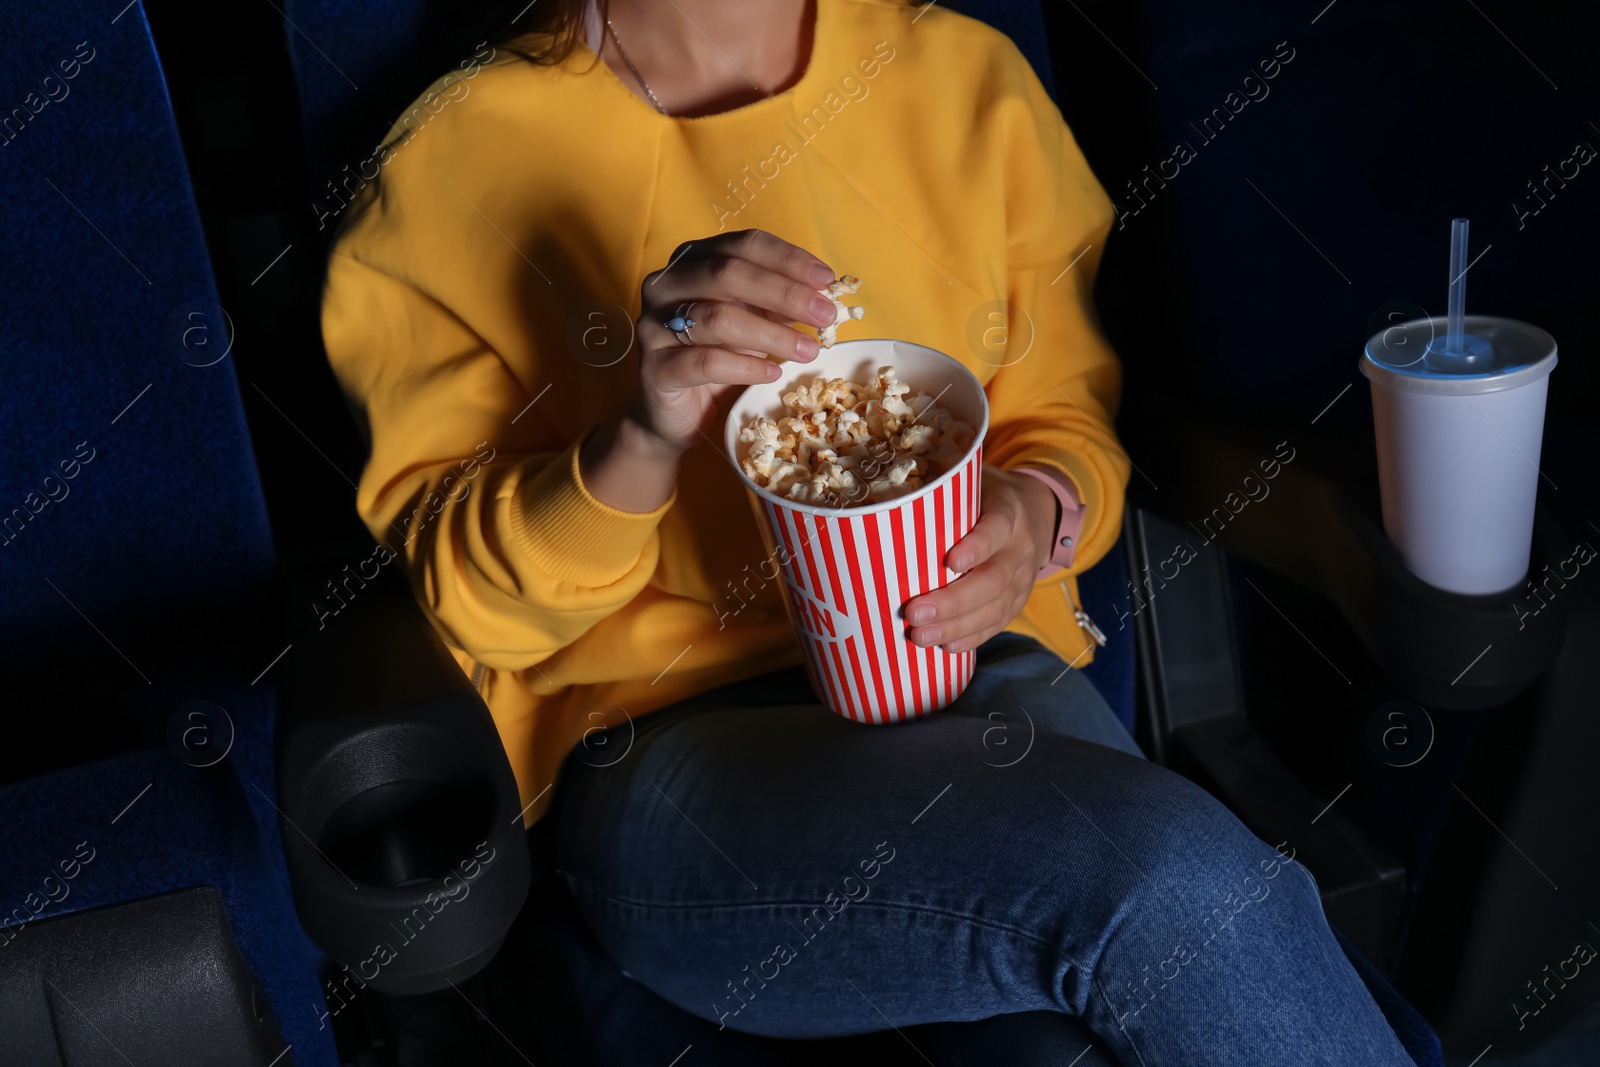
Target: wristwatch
(1069, 519)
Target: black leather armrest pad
(159, 977)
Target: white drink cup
(1458, 447)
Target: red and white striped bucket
(848, 572)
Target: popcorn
(845, 443)
(828, 334)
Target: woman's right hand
(742, 290)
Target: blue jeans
(780, 870)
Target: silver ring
(680, 324)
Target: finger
(734, 280)
(995, 528)
(975, 638)
(989, 535)
(970, 592)
(765, 250)
(732, 326)
(971, 628)
(696, 365)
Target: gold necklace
(623, 52)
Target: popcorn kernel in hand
(827, 335)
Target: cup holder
(406, 832)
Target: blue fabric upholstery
(369, 60)
(135, 516)
(109, 302)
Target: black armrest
(161, 975)
(1193, 720)
(1442, 649)
(401, 819)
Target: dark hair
(545, 31)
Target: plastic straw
(1455, 340)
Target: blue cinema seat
(156, 894)
(591, 1013)
(135, 548)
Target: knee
(1201, 856)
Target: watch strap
(1069, 521)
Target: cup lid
(1499, 354)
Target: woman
(546, 467)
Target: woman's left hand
(998, 560)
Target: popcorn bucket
(848, 571)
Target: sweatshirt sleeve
(510, 555)
(1053, 403)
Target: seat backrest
(1023, 22)
(131, 526)
(127, 481)
(357, 63)
(1293, 173)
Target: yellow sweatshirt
(474, 312)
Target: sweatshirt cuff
(570, 535)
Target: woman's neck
(704, 56)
